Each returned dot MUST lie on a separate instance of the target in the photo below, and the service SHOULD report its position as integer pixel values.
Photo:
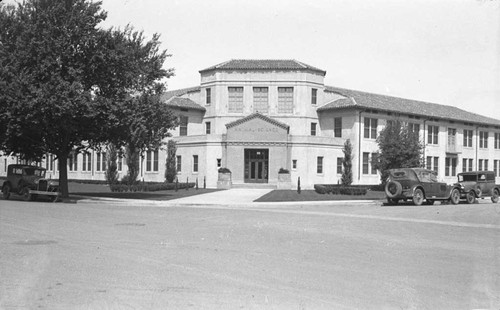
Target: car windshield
(35, 172)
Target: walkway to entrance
(230, 196)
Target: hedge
(336, 189)
(149, 187)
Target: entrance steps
(254, 185)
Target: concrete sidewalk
(225, 197)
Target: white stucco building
(257, 116)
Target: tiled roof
(363, 100)
(178, 102)
(263, 64)
(257, 115)
(179, 92)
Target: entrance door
(256, 165)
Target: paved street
(260, 256)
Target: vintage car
(478, 184)
(29, 182)
(418, 184)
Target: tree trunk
(63, 175)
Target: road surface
(353, 256)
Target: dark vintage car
(29, 182)
(478, 184)
(419, 185)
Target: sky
(440, 51)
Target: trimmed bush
(336, 189)
(148, 187)
(224, 170)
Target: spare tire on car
(393, 189)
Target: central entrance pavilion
(255, 148)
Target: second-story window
(432, 134)
(313, 129)
(285, 100)
(235, 103)
(370, 131)
(208, 96)
(337, 124)
(452, 138)
(497, 140)
(208, 128)
(183, 125)
(314, 96)
(483, 139)
(260, 99)
(468, 138)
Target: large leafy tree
(67, 84)
(399, 147)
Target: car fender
(6, 183)
(418, 186)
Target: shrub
(148, 187)
(224, 170)
(283, 170)
(336, 189)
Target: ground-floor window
(432, 163)
(368, 167)
(152, 160)
(450, 166)
(73, 162)
(496, 167)
(195, 163)
(179, 163)
(219, 162)
(294, 164)
(319, 164)
(340, 160)
(467, 164)
(101, 161)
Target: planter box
(224, 181)
(284, 181)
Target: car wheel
(471, 197)
(429, 202)
(393, 189)
(54, 198)
(418, 197)
(25, 192)
(494, 197)
(479, 192)
(6, 191)
(455, 196)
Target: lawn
(311, 195)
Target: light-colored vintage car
(418, 185)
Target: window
(314, 96)
(415, 128)
(480, 165)
(468, 138)
(235, 103)
(285, 100)
(497, 140)
(86, 161)
(208, 128)
(260, 99)
(208, 96)
(219, 162)
(179, 163)
(485, 165)
(337, 124)
(450, 166)
(195, 163)
(183, 125)
(470, 164)
(483, 139)
(339, 164)
(119, 165)
(432, 134)
(467, 164)
(496, 167)
(319, 164)
(73, 162)
(370, 128)
(366, 162)
(374, 169)
(432, 163)
(152, 160)
(452, 138)
(101, 161)
(294, 164)
(313, 129)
